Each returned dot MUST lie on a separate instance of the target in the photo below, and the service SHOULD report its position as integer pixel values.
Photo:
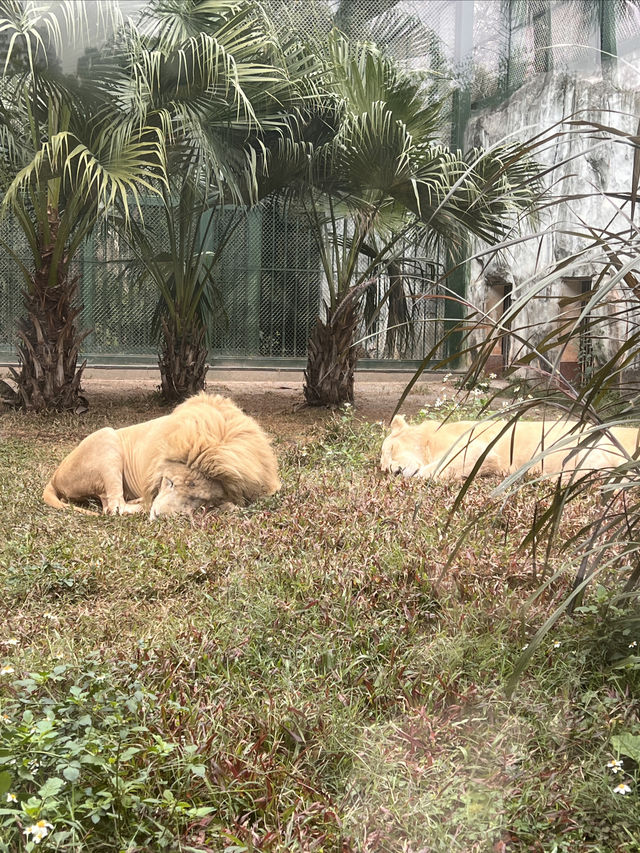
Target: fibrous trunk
(182, 362)
(332, 357)
(48, 344)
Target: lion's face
(184, 489)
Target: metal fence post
(254, 280)
(88, 285)
(608, 46)
(461, 108)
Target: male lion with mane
(451, 450)
(207, 452)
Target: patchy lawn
(310, 674)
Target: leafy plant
(71, 150)
(381, 177)
(77, 757)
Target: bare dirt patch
(278, 405)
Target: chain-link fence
(269, 274)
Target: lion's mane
(212, 435)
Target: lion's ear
(398, 424)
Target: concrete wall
(585, 163)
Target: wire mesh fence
(514, 39)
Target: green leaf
(627, 744)
(128, 754)
(201, 811)
(51, 787)
(5, 781)
(71, 773)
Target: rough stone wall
(585, 163)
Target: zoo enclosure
(269, 273)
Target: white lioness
(207, 452)
(450, 451)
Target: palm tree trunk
(182, 362)
(49, 343)
(332, 357)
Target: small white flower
(614, 765)
(38, 830)
(12, 641)
(622, 788)
(557, 644)
(6, 670)
(526, 646)
(633, 645)
(11, 798)
(5, 718)
(493, 376)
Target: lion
(207, 452)
(451, 450)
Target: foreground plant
(601, 324)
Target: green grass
(309, 674)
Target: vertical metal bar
(311, 311)
(608, 45)
(254, 252)
(88, 281)
(296, 267)
(463, 53)
(273, 209)
(507, 78)
(283, 272)
(457, 281)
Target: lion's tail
(50, 497)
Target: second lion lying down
(207, 452)
(451, 450)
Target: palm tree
(70, 151)
(180, 259)
(384, 173)
(226, 91)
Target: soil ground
(279, 404)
